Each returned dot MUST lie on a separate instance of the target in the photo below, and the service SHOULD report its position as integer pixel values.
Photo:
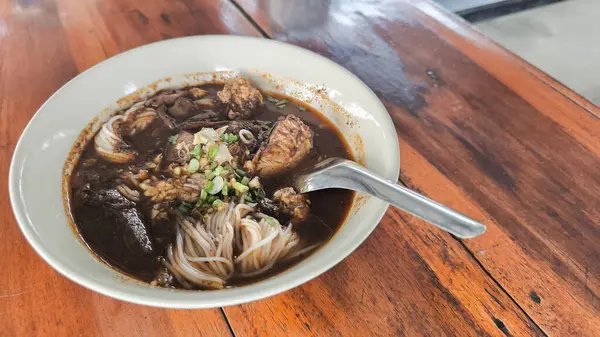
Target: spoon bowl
(347, 174)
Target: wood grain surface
(484, 132)
(480, 130)
(43, 44)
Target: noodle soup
(190, 188)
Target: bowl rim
(21, 215)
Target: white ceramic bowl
(37, 165)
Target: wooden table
(480, 130)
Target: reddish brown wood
(484, 132)
(43, 44)
(405, 280)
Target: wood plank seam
(250, 20)
(229, 324)
(523, 311)
(497, 321)
(68, 37)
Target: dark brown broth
(329, 208)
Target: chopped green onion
(248, 197)
(203, 194)
(218, 170)
(272, 99)
(218, 184)
(225, 190)
(260, 193)
(197, 151)
(241, 173)
(193, 165)
(301, 108)
(217, 203)
(239, 187)
(185, 207)
(212, 153)
(209, 186)
(224, 173)
(271, 221)
(213, 166)
(211, 199)
(173, 139)
(210, 175)
(229, 138)
(245, 181)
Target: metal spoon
(346, 174)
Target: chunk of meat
(180, 151)
(183, 108)
(289, 143)
(241, 98)
(238, 151)
(167, 120)
(167, 97)
(129, 220)
(269, 207)
(294, 204)
(286, 205)
(109, 198)
(204, 119)
(259, 129)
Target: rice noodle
(108, 140)
(128, 193)
(204, 250)
(263, 244)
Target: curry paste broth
(329, 208)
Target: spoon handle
(349, 175)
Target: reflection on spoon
(346, 174)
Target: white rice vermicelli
(232, 242)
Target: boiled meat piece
(259, 129)
(179, 151)
(294, 204)
(167, 97)
(289, 143)
(183, 108)
(204, 119)
(286, 205)
(127, 217)
(240, 98)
